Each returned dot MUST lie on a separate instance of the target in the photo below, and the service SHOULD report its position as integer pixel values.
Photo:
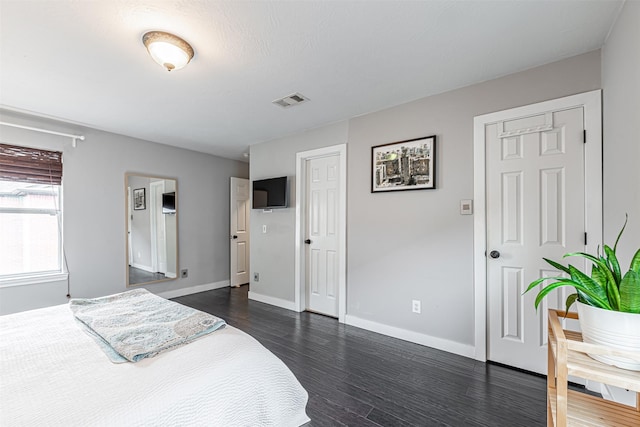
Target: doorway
(239, 228)
(320, 246)
(538, 192)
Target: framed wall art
(404, 165)
(139, 199)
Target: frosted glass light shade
(170, 51)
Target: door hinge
(584, 136)
(585, 238)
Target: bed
(53, 373)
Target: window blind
(30, 165)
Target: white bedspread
(52, 373)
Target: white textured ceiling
(83, 61)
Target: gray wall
(94, 211)
(621, 94)
(414, 244)
(424, 248)
(141, 226)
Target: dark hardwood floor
(359, 378)
(137, 275)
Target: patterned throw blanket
(136, 324)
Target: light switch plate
(466, 207)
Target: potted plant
(608, 301)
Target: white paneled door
(322, 234)
(239, 228)
(535, 199)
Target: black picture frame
(139, 199)
(404, 165)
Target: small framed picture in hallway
(139, 199)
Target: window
(30, 212)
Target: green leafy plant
(606, 288)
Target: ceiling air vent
(291, 100)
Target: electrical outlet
(184, 273)
(256, 277)
(416, 306)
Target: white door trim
(592, 104)
(301, 173)
(129, 218)
(153, 204)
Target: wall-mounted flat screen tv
(169, 203)
(270, 193)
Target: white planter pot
(613, 329)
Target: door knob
(308, 241)
(234, 236)
(494, 254)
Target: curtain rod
(74, 138)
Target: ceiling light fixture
(168, 50)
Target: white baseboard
(278, 302)
(146, 268)
(414, 337)
(193, 289)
